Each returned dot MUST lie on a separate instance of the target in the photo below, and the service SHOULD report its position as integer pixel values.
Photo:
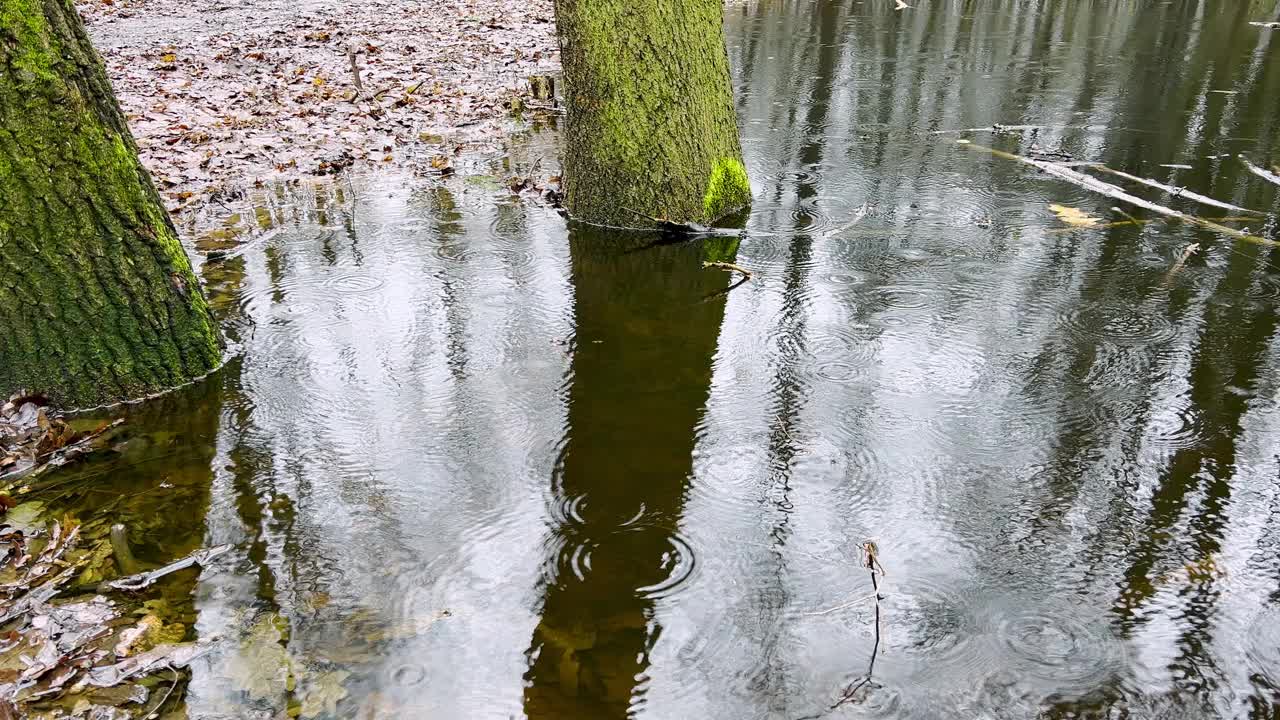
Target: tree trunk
(98, 301)
(651, 125)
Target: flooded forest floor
(223, 95)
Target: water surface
(477, 462)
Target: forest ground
(226, 94)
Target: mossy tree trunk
(98, 302)
(651, 124)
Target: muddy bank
(223, 95)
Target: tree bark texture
(98, 301)
(651, 128)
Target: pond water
(476, 462)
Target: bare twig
(1091, 183)
(1187, 252)
(842, 606)
(870, 561)
(1175, 191)
(142, 580)
(728, 266)
(355, 72)
(155, 711)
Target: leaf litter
(222, 97)
(69, 644)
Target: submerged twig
(1091, 183)
(1127, 216)
(142, 580)
(1187, 252)
(1175, 191)
(842, 606)
(746, 274)
(1260, 172)
(177, 678)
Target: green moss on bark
(727, 190)
(651, 127)
(98, 301)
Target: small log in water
(1115, 193)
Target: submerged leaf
(322, 694)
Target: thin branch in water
(746, 274)
(1127, 216)
(1175, 191)
(155, 712)
(1187, 252)
(870, 561)
(842, 606)
(1260, 172)
(1091, 183)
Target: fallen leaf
(1073, 216)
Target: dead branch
(1187, 252)
(142, 580)
(1091, 183)
(1175, 191)
(746, 274)
(870, 561)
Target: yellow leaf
(1073, 216)
(169, 58)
